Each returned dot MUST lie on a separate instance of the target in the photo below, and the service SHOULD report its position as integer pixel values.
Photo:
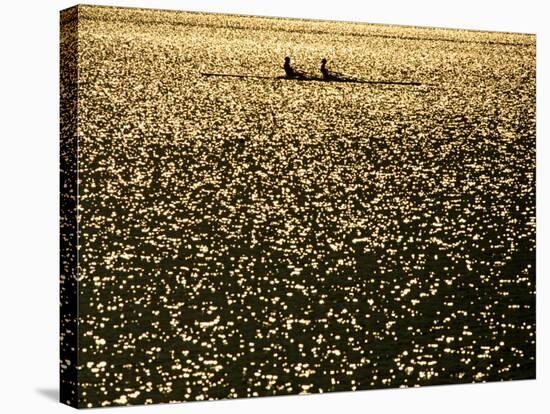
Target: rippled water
(250, 237)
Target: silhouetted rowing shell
(311, 79)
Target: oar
(385, 82)
(231, 75)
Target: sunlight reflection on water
(244, 237)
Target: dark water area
(245, 237)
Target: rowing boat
(311, 79)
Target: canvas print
(266, 206)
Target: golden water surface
(246, 237)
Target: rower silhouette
(290, 71)
(324, 70)
(327, 75)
